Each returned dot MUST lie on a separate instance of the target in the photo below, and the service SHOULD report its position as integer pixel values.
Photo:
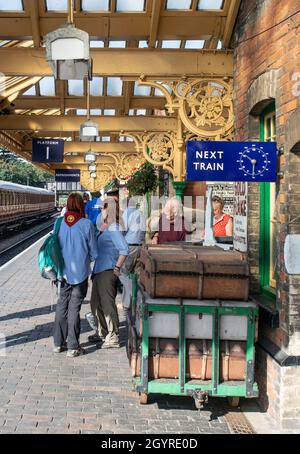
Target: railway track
(13, 246)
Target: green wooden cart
(183, 386)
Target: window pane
(95, 5)
(170, 44)
(57, 5)
(96, 44)
(117, 44)
(194, 44)
(109, 112)
(114, 86)
(96, 86)
(82, 112)
(30, 92)
(96, 112)
(11, 5)
(141, 90)
(47, 86)
(130, 5)
(210, 4)
(75, 87)
(141, 112)
(179, 4)
(143, 44)
(105, 139)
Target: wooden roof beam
(69, 123)
(230, 21)
(155, 19)
(161, 63)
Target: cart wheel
(233, 401)
(143, 398)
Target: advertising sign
(47, 150)
(231, 161)
(240, 231)
(67, 176)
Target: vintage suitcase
(183, 271)
(163, 360)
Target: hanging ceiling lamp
(68, 50)
(92, 167)
(89, 129)
(90, 157)
(93, 175)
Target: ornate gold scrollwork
(159, 148)
(128, 165)
(206, 106)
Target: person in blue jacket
(93, 208)
(77, 240)
(112, 252)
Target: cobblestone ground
(43, 392)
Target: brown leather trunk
(163, 360)
(184, 271)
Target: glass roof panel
(143, 44)
(96, 44)
(75, 87)
(30, 92)
(96, 86)
(114, 86)
(194, 44)
(210, 4)
(82, 112)
(11, 5)
(141, 90)
(179, 4)
(95, 5)
(57, 5)
(96, 112)
(47, 86)
(109, 112)
(170, 44)
(130, 5)
(117, 44)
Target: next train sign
(47, 150)
(231, 161)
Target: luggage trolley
(215, 322)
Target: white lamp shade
(93, 175)
(92, 167)
(67, 49)
(90, 157)
(88, 130)
(68, 53)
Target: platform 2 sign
(67, 176)
(47, 150)
(231, 161)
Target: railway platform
(43, 392)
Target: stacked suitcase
(192, 275)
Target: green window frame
(267, 281)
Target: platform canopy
(159, 39)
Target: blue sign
(231, 161)
(67, 176)
(47, 150)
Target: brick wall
(266, 57)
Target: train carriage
(23, 204)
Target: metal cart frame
(198, 389)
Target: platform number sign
(47, 150)
(231, 161)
